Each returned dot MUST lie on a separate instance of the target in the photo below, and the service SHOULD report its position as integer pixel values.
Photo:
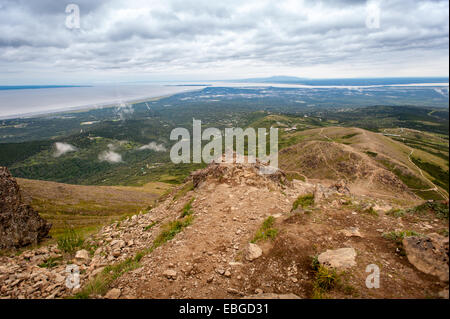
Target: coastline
(92, 106)
(191, 87)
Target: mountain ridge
(229, 232)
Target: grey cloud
(52, 7)
(139, 36)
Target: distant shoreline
(93, 105)
(34, 87)
(80, 108)
(191, 85)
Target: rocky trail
(230, 232)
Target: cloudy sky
(145, 40)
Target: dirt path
(321, 134)
(435, 188)
(325, 159)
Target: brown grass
(86, 208)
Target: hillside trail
(435, 188)
(376, 171)
(325, 159)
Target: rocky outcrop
(252, 174)
(428, 254)
(20, 225)
(322, 193)
(341, 187)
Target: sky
(193, 40)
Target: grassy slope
(85, 208)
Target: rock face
(342, 258)
(428, 254)
(20, 225)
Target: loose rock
(82, 255)
(170, 274)
(342, 258)
(253, 252)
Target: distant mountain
(274, 79)
(343, 82)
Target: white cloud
(153, 147)
(63, 148)
(110, 157)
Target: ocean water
(23, 101)
(20, 101)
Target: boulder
(20, 225)
(341, 258)
(428, 254)
(253, 252)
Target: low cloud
(63, 148)
(110, 157)
(153, 147)
(124, 110)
